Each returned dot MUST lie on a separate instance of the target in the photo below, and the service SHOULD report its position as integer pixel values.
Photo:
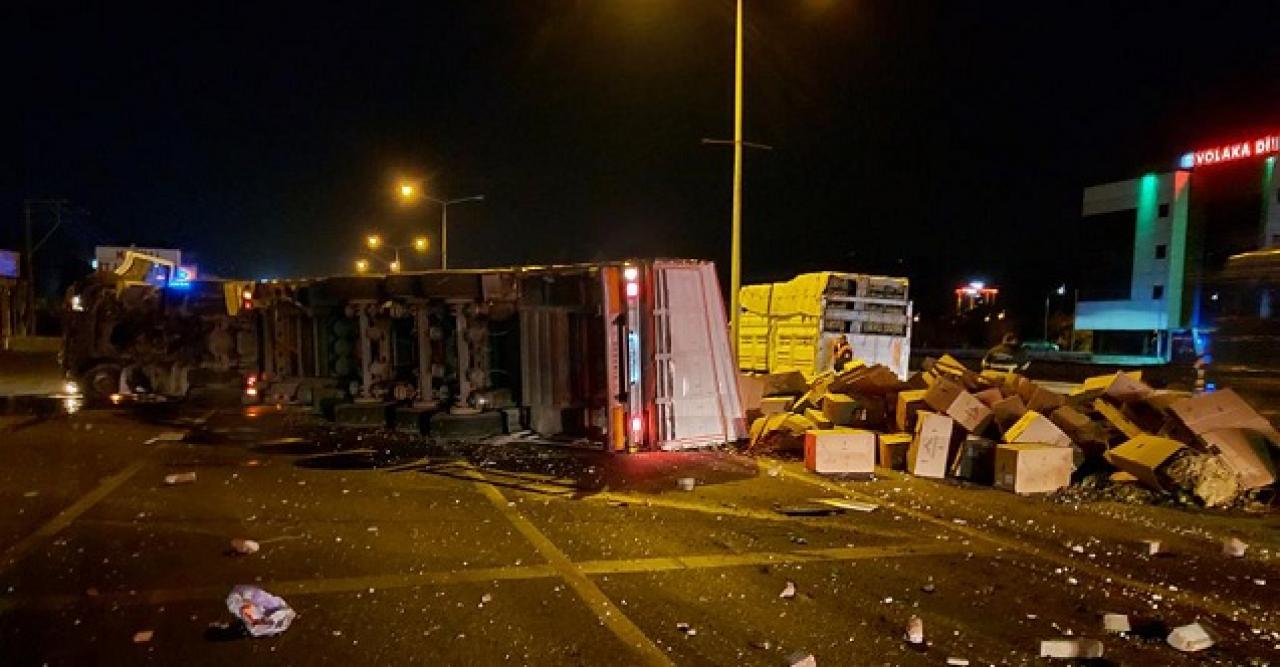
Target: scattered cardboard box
(791, 383)
(942, 394)
(969, 412)
(1116, 623)
(1008, 411)
(1124, 388)
(1222, 409)
(1028, 467)
(1141, 455)
(819, 420)
(1035, 427)
(893, 450)
(839, 408)
(975, 460)
(842, 451)
(927, 456)
(774, 405)
(989, 396)
(1043, 400)
(1114, 417)
(1245, 453)
(909, 403)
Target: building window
(1157, 292)
(1162, 251)
(1164, 210)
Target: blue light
(180, 284)
(1187, 161)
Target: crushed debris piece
(844, 504)
(262, 613)
(788, 591)
(1190, 638)
(168, 436)
(1116, 623)
(1234, 547)
(915, 630)
(686, 483)
(143, 636)
(180, 478)
(1070, 648)
(244, 546)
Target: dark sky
(943, 140)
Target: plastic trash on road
(263, 614)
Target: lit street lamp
(409, 193)
(1062, 289)
(375, 242)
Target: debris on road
(1113, 438)
(1190, 638)
(143, 636)
(1070, 648)
(686, 483)
(168, 436)
(243, 546)
(957, 662)
(180, 478)
(262, 613)
(788, 591)
(801, 659)
(1234, 547)
(1116, 623)
(844, 504)
(688, 630)
(915, 630)
(1152, 546)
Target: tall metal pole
(735, 266)
(30, 313)
(444, 235)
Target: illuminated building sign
(1240, 150)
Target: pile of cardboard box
(1006, 430)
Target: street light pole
(444, 223)
(735, 259)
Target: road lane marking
(64, 518)
(599, 603)
(298, 587)
(1102, 573)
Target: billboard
(9, 264)
(110, 257)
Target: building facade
(1180, 227)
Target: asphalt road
(394, 552)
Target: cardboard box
(819, 420)
(1082, 430)
(812, 398)
(969, 413)
(1221, 409)
(1114, 417)
(942, 393)
(989, 396)
(791, 383)
(839, 408)
(867, 381)
(1245, 453)
(975, 460)
(1124, 388)
(1140, 456)
(751, 389)
(1043, 400)
(927, 456)
(1035, 427)
(842, 451)
(893, 450)
(909, 403)
(1032, 467)
(1097, 384)
(773, 405)
(1008, 411)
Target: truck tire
(101, 381)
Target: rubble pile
(1113, 437)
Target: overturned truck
(626, 355)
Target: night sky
(941, 140)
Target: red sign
(1231, 152)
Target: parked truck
(795, 325)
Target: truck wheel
(101, 381)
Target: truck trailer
(794, 325)
(627, 356)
